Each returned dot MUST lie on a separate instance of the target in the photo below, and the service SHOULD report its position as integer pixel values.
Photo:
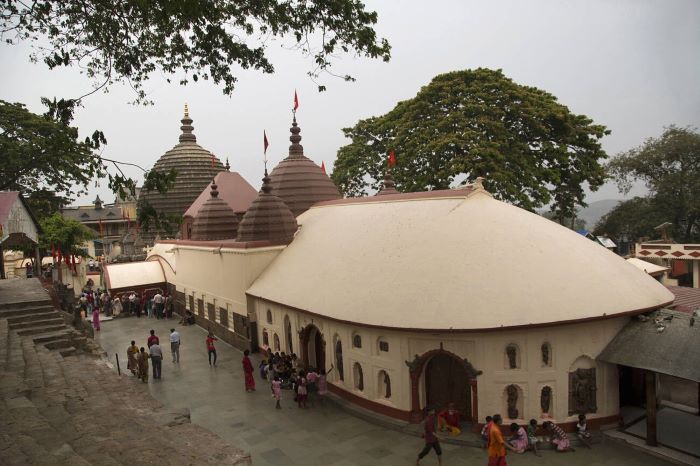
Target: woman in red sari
(248, 369)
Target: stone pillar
(650, 379)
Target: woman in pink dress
(323, 383)
(519, 439)
(96, 318)
(559, 437)
(248, 370)
(301, 389)
(277, 390)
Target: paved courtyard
(316, 436)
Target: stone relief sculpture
(512, 392)
(512, 353)
(582, 391)
(546, 399)
(546, 357)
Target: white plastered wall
(485, 351)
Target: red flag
(212, 159)
(296, 100)
(323, 167)
(265, 143)
(392, 158)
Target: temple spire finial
(187, 111)
(296, 150)
(187, 128)
(227, 166)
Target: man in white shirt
(175, 344)
(156, 359)
(158, 303)
(132, 303)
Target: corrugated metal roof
(671, 346)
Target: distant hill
(596, 210)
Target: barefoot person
(559, 437)
(132, 353)
(430, 437)
(497, 446)
(248, 370)
(211, 349)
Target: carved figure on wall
(545, 354)
(512, 353)
(546, 399)
(512, 392)
(582, 391)
(413, 365)
(339, 358)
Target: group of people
(160, 306)
(521, 440)
(284, 371)
(93, 303)
(137, 358)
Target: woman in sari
(96, 318)
(248, 370)
(131, 355)
(143, 365)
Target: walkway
(317, 436)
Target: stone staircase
(63, 406)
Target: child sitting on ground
(559, 437)
(532, 436)
(582, 431)
(448, 419)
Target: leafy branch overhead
(465, 124)
(126, 41)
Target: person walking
(248, 370)
(156, 359)
(116, 306)
(132, 353)
(143, 365)
(132, 303)
(430, 437)
(497, 446)
(211, 349)
(175, 344)
(96, 318)
(276, 391)
(153, 339)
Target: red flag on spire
(392, 158)
(296, 100)
(323, 167)
(265, 143)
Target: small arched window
(269, 316)
(266, 338)
(276, 341)
(512, 357)
(358, 377)
(357, 341)
(384, 384)
(546, 354)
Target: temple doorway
(313, 348)
(447, 380)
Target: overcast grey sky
(633, 66)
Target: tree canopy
(530, 148)
(670, 168)
(68, 234)
(43, 157)
(128, 40)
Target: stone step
(32, 317)
(51, 336)
(20, 311)
(69, 351)
(33, 374)
(26, 304)
(57, 320)
(59, 344)
(15, 362)
(41, 330)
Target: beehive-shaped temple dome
(298, 181)
(215, 219)
(195, 167)
(267, 219)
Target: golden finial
(187, 111)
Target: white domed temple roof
(449, 260)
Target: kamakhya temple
(415, 299)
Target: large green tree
(188, 40)
(530, 148)
(70, 235)
(670, 168)
(632, 219)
